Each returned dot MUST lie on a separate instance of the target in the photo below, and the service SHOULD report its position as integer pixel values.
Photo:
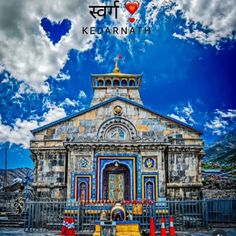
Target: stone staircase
(8, 216)
(11, 220)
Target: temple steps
(10, 219)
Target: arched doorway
(82, 191)
(116, 179)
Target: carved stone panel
(117, 128)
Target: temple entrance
(116, 182)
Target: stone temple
(117, 149)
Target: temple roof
(112, 100)
(116, 73)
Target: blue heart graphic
(55, 30)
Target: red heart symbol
(132, 20)
(132, 7)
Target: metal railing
(8, 201)
(42, 216)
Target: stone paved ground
(229, 232)
(20, 232)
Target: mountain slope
(223, 150)
(13, 174)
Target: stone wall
(184, 176)
(50, 173)
(174, 147)
(178, 174)
(86, 126)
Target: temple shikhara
(117, 149)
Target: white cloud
(82, 94)
(18, 100)
(222, 121)
(188, 110)
(76, 103)
(25, 50)
(198, 35)
(69, 102)
(5, 81)
(53, 114)
(217, 125)
(98, 57)
(230, 113)
(153, 8)
(19, 133)
(217, 18)
(148, 42)
(62, 76)
(176, 117)
(25, 89)
(184, 113)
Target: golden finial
(116, 69)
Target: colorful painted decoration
(150, 188)
(116, 187)
(82, 190)
(118, 213)
(137, 209)
(149, 163)
(149, 191)
(83, 163)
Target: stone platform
(118, 228)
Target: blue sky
(188, 65)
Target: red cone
(152, 227)
(172, 228)
(163, 228)
(68, 227)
